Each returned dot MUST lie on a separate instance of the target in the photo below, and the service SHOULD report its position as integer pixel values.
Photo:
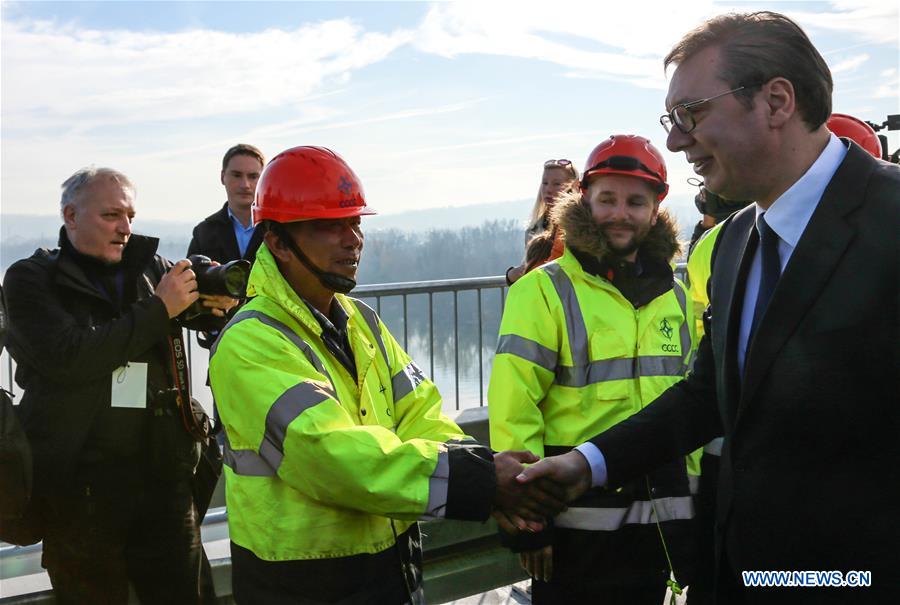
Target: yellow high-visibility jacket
(574, 358)
(699, 269)
(318, 463)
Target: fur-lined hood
(582, 232)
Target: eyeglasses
(561, 163)
(682, 117)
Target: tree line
(390, 255)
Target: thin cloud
(163, 106)
(887, 90)
(60, 75)
(889, 85)
(590, 39)
(834, 51)
(318, 119)
(877, 21)
(850, 65)
(499, 141)
(311, 115)
(397, 115)
(608, 40)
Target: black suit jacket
(214, 237)
(810, 469)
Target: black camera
(892, 123)
(229, 279)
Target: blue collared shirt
(241, 233)
(788, 216)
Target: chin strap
(331, 281)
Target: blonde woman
(543, 242)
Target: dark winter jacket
(214, 237)
(68, 336)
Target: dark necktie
(771, 271)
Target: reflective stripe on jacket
(575, 358)
(317, 463)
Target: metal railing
(404, 290)
(401, 321)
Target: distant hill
(16, 228)
(451, 217)
(21, 234)
(475, 215)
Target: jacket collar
(638, 282)
(139, 251)
(582, 233)
(220, 215)
(266, 280)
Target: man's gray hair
(75, 184)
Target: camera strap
(332, 281)
(196, 423)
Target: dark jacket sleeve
(473, 482)
(682, 419)
(45, 336)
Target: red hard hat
(305, 183)
(857, 131)
(631, 155)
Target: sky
(431, 104)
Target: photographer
(95, 337)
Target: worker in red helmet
(585, 342)
(848, 127)
(335, 441)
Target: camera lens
(229, 279)
(234, 277)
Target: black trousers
(702, 591)
(625, 566)
(365, 579)
(115, 526)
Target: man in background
(229, 234)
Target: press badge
(129, 386)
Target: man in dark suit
(799, 367)
(228, 234)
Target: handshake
(528, 496)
